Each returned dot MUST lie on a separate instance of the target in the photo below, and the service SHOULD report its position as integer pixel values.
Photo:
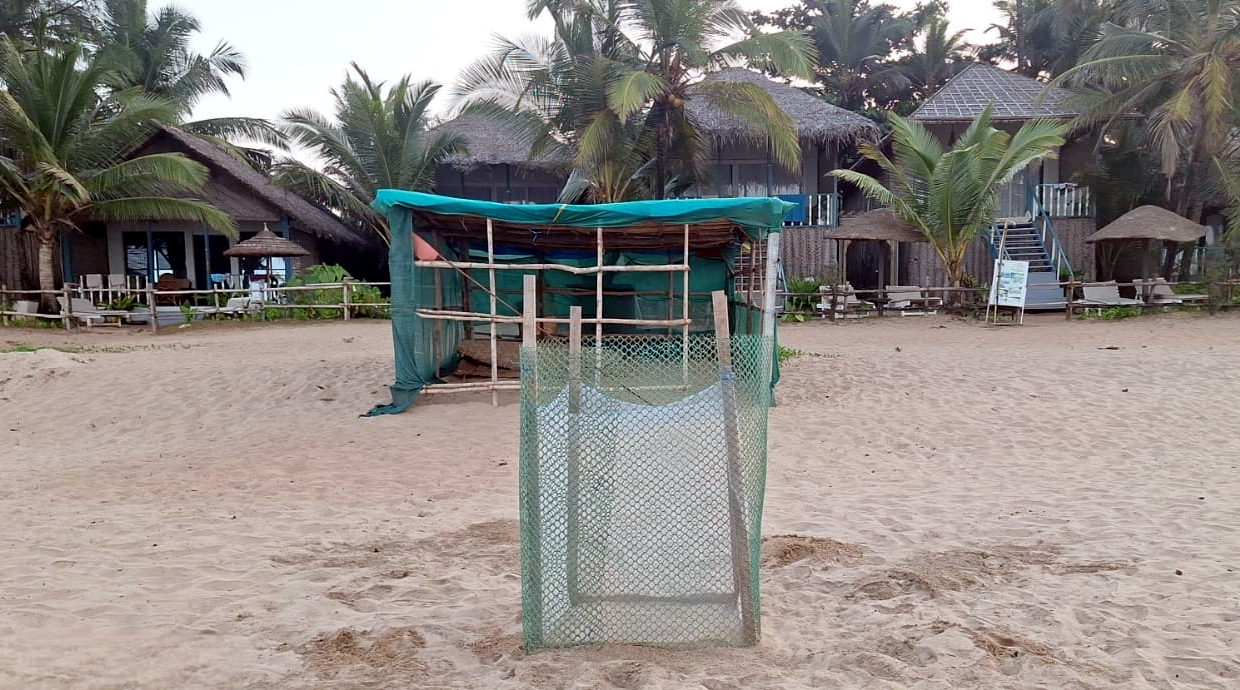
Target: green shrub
(326, 274)
(1113, 314)
(802, 299)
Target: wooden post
(598, 308)
(494, 335)
(435, 353)
(346, 298)
(215, 298)
(529, 311)
(4, 299)
(573, 461)
(67, 289)
(737, 522)
(150, 305)
(684, 314)
(771, 280)
(1071, 296)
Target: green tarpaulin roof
(754, 215)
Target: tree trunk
(49, 245)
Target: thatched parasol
(266, 244)
(1150, 223)
(879, 224)
(816, 119)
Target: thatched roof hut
(492, 142)
(1150, 223)
(879, 224)
(246, 200)
(816, 120)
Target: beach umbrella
(881, 224)
(1149, 224)
(266, 245)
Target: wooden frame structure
(530, 321)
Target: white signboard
(1010, 280)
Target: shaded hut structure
(884, 231)
(644, 384)
(1129, 247)
(499, 166)
(144, 251)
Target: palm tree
(56, 21)
(951, 195)
(64, 148)
(615, 82)
(938, 55)
(1176, 62)
(378, 140)
(157, 54)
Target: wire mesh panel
(643, 464)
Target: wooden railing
(1066, 200)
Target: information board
(1011, 279)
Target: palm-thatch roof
(879, 224)
(1015, 97)
(303, 214)
(1150, 223)
(266, 243)
(816, 119)
(491, 142)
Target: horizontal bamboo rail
(579, 270)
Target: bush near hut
(332, 274)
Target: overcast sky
(299, 50)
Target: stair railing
(1049, 236)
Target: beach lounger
(1107, 295)
(846, 304)
(910, 300)
(87, 313)
(237, 306)
(1161, 293)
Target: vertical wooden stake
(346, 298)
(150, 305)
(738, 524)
(684, 314)
(494, 335)
(598, 309)
(770, 285)
(4, 298)
(436, 345)
(215, 299)
(572, 533)
(68, 310)
(1071, 296)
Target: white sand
(993, 508)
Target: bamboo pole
(598, 307)
(345, 298)
(529, 322)
(494, 323)
(4, 290)
(684, 315)
(738, 525)
(473, 386)
(770, 281)
(579, 270)
(1071, 296)
(468, 316)
(573, 461)
(438, 305)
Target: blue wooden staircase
(1035, 240)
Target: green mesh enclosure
(643, 466)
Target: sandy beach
(949, 506)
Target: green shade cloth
(755, 216)
(422, 352)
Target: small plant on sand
(788, 353)
(122, 303)
(1113, 314)
(802, 296)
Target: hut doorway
(867, 262)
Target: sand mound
(785, 549)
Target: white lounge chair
(86, 312)
(236, 306)
(910, 300)
(1106, 295)
(1161, 293)
(846, 303)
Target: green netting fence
(643, 466)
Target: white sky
(298, 50)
